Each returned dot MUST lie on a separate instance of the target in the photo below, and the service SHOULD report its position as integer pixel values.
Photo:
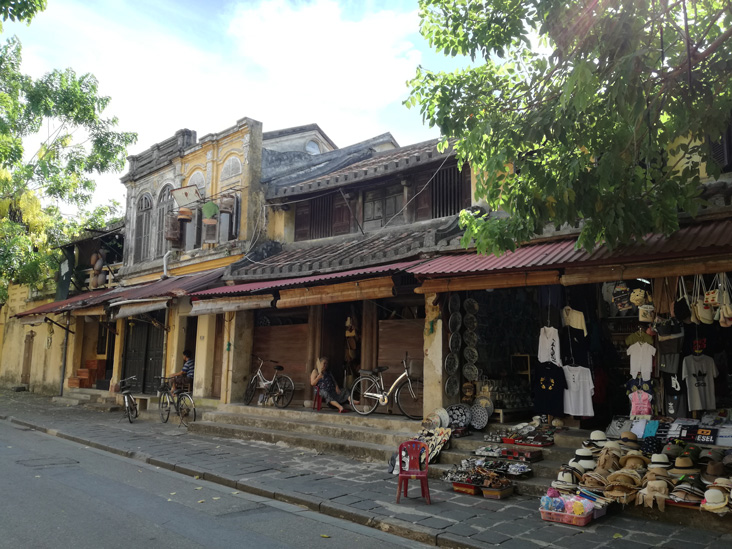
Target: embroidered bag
(711, 296)
(621, 296)
(646, 313)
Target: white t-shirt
(699, 372)
(549, 346)
(641, 359)
(579, 391)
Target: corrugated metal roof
(74, 302)
(699, 239)
(175, 286)
(283, 283)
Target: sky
(203, 65)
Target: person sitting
(321, 378)
(184, 378)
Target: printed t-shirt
(549, 346)
(549, 385)
(578, 394)
(699, 372)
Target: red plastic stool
(317, 399)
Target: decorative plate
(471, 306)
(452, 386)
(470, 322)
(432, 421)
(470, 372)
(470, 354)
(457, 415)
(454, 304)
(456, 322)
(468, 389)
(456, 342)
(467, 412)
(444, 417)
(480, 417)
(470, 338)
(486, 403)
(452, 363)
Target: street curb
(453, 541)
(408, 530)
(357, 516)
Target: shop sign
(700, 435)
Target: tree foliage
(64, 112)
(591, 113)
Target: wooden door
(135, 352)
(155, 353)
(218, 357)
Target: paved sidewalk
(336, 486)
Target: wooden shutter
(302, 221)
(321, 217)
(341, 216)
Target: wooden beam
(230, 304)
(90, 311)
(358, 290)
(657, 269)
(483, 282)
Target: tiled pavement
(334, 485)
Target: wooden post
(370, 336)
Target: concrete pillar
(238, 357)
(205, 339)
(119, 347)
(434, 382)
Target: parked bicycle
(129, 408)
(280, 388)
(369, 391)
(181, 402)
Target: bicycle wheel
(129, 408)
(409, 397)
(361, 403)
(166, 402)
(283, 389)
(186, 409)
(251, 389)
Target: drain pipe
(165, 264)
(63, 360)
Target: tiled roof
(380, 165)
(342, 253)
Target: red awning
(702, 239)
(303, 280)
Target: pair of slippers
(343, 410)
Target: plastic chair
(413, 470)
(317, 399)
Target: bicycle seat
(278, 368)
(376, 370)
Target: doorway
(144, 352)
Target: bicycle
(182, 402)
(280, 388)
(129, 409)
(369, 391)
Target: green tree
(593, 112)
(80, 143)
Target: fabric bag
(621, 296)
(711, 296)
(682, 311)
(726, 297)
(704, 312)
(667, 326)
(646, 313)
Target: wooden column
(369, 336)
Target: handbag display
(621, 296)
(711, 296)
(682, 311)
(704, 313)
(726, 295)
(646, 313)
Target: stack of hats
(629, 441)
(689, 489)
(596, 442)
(683, 466)
(595, 480)
(623, 485)
(712, 471)
(609, 457)
(634, 459)
(568, 478)
(584, 457)
(716, 501)
(656, 485)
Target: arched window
(164, 207)
(142, 228)
(232, 167)
(198, 180)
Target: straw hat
(634, 460)
(683, 465)
(629, 439)
(715, 501)
(655, 490)
(584, 457)
(713, 471)
(625, 477)
(614, 447)
(565, 481)
(660, 460)
(595, 479)
(723, 484)
(596, 442)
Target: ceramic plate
(456, 342)
(444, 417)
(470, 372)
(452, 363)
(470, 354)
(452, 386)
(454, 303)
(470, 338)
(470, 306)
(455, 323)
(470, 322)
(480, 417)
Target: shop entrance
(144, 351)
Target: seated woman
(329, 391)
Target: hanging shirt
(578, 394)
(641, 359)
(638, 337)
(574, 319)
(699, 372)
(549, 385)
(549, 346)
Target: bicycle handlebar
(259, 358)
(134, 378)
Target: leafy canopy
(592, 112)
(64, 112)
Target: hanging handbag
(621, 296)
(711, 296)
(646, 313)
(704, 312)
(726, 297)
(682, 311)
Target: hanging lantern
(185, 214)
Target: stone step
(68, 401)
(366, 451)
(342, 430)
(376, 420)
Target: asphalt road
(55, 493)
